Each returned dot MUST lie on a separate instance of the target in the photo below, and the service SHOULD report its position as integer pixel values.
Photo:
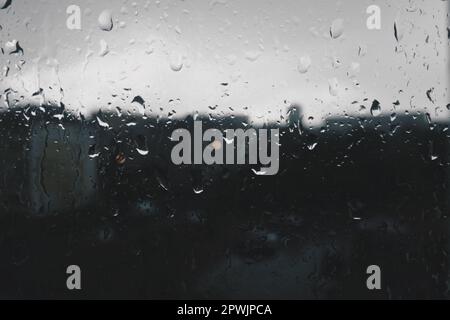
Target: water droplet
(93, 152)
(228, 141)
(311, 146)
(12, 47)
(104, 49)
(150, 46)
(142, 152)
(252, 55)
(430, 93)
(304, 64)
(198, 190)
(337, 28)
(102, 123)
(139, 103)
(333, 86)
(362, 50)
(397, 34)
(162, 182)
(393, 116)
(105, 21)
(261, 172)
(176, 62)
(4, 4)
(336, 63)
(375, 109)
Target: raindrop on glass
(337, 28)
(176, 62)
(105, 21)
(333, 86)
(142, 152)
(375, 109)
(304, 64)
(5, 4)
(104, 49)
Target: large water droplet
(375, 109)
(354, 69)
(337, 28)
(176, 62)
(11, 47)
(333, 86)
(304, 64)
(430, 95)
(139, 104)
(105, 21)
(4, 4)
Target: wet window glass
(224, 149)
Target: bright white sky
(254, 45)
